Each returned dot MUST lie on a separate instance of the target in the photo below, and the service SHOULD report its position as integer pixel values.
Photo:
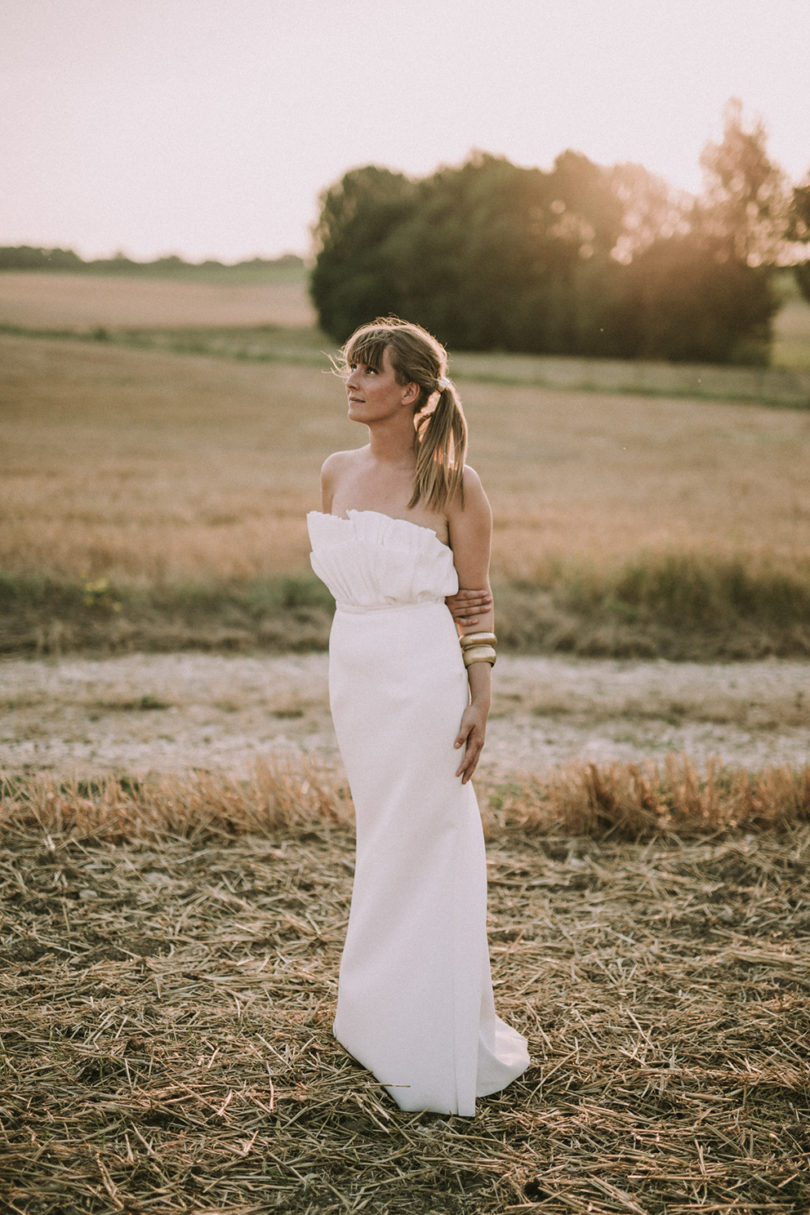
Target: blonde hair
(439, 422)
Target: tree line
(579, 260)
(32, 257)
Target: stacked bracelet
(478, 647)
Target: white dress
(415, 1001)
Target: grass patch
(783, 386)
(786, 385)
(49, 616)
(670, 606)
(680, 608)
(169, 975)
(302, 346)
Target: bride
(405, 531)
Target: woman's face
(374, 394)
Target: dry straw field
(168, 985)
(169, 943)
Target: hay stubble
(168, 983)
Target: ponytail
(441, 438)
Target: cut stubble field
(173, 913)
(168, 984)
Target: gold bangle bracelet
(490, 658)
(479, 653)
(468, 639)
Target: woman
(406, 525)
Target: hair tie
(443, 383)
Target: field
(178, 846)
(156, 479)
(169, 978)
(76, 302)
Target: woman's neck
(393, 447)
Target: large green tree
(580, 259)
(696, 304)
(354, 278)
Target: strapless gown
(415, 1003)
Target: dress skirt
(415, 1003)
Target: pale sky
(208, 128)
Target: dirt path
(147, 713)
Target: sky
(208, 128)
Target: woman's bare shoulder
(339, 464)
(471, 481)
(341, 459)
(335, 469)
(472, 498)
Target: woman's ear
(411, 394)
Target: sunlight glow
(191, 127)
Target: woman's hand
(471, 734)
(467, 606)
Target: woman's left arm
(471, 539)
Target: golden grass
(88, 301)
(153, 466)
(617, 800)
(148, 466)
(640, 801)
(168, 984)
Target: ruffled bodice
(371, 560)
